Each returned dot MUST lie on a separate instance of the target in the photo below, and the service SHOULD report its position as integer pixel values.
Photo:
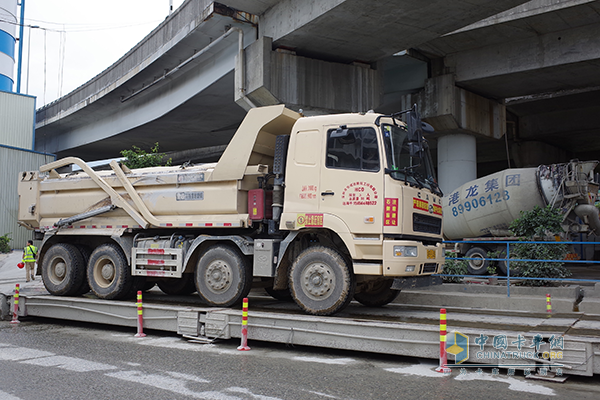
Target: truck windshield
(404, 167)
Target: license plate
(430, 254)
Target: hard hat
(20, 265)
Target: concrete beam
(451, 109)
(369, 30)
(275, 77)
(560, 60)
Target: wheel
(86, 252)
(321, 282)
(63, 269)
(378, 294)
(480, 264)
(108, 273)
(181, 286)
(502, 265)
(280, 294)
(223, 276)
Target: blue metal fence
(508, 260)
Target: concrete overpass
(477, 70)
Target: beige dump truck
(323, 209)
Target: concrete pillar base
(457, 161)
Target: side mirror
(427, 128)
(414, 125)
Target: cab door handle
(327, 193)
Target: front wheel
(223, 276)
(378, 294)
(321, 282)
(108, 273)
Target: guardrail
(508, 260)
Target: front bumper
(429, 260)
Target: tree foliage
(4, 240)
(138, 158)
(536, 224)
(454, 267)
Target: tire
(480, 265)
(63, 270)
(86, 252)
(281, 295)
(514, 272)
(379, 294)
(182, 286)
(321, 282)
(108, 273)
(223, 276)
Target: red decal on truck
(390, 212)
(420, 204)
(309, 220)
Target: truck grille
(429, 268)
(427, 224)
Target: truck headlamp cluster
(405, 251)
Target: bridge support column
(315, 86)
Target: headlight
(405, 251)
(410, 268)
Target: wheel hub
(318, 280)
(60, 270)
(108, 272)
(218, 276)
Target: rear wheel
(223, 277)
(321, 282)
(108, 273)
(377, 294)
(63, 269)
(181, 286)
(479, 264)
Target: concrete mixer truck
(484, 208)
(321, 209)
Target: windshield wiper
(436, 188)
(420, 179)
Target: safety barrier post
(15, 318)
(443, 355)
(548, 305)
(140, 321)
(244, 345)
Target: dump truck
(321, 209)
(484, 208)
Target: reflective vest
(30, 253)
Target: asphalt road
(48, 359)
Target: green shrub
(4, 247)
(454, 267)
(535, 223)
(138, 158)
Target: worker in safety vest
(29, 256)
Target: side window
(355, 150)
